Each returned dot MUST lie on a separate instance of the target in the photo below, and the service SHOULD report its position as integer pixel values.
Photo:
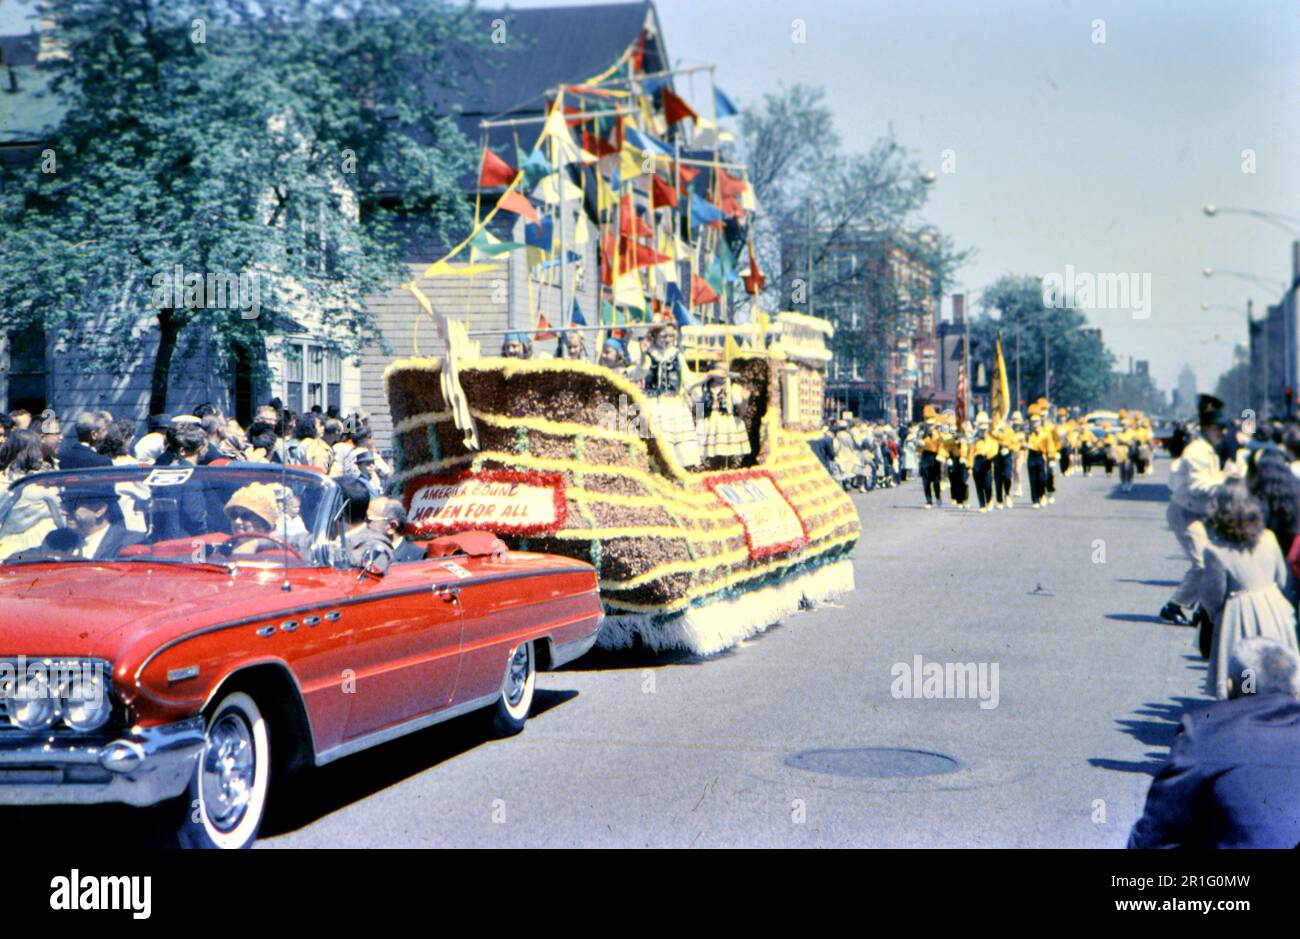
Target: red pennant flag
(730, 188)
(661, 194)
(495, 172)
(597, 146)
(755, 282)
(701, 292)
(514, 201)
(675, 109)
(638, 52)
(543, 329)
(636, 254)
(629, 223)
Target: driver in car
(253, 510)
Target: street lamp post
(1287, 223)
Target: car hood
(92, 609)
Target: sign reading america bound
(500, 501)
(771, 524)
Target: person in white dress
(1244, 584)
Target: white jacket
(1195, 476)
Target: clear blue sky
(1095, 155)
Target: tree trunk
(169, 330)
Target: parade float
(564, 464)
(628, 180)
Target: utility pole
(1047, 374)
(1018, 398)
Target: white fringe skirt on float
(715, 626)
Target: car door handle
(449, 593)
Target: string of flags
(624, 161)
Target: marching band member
(1010, 445)
(984, 455)
(1039, 448)
(959, 459)
(933, 454)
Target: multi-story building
(879, 297)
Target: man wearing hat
(984, 453)
(959, 461)
(933, 453)
(1192, 481)
(94, 514)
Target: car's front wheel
(227, 796)
(516, 699)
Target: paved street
(682, 753)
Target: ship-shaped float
(552, 456)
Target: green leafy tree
(854, 216)
(1052, 338)
(287, 141)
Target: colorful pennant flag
(661, 194)
(675, 109)
(495, 171)
(543, 329)
(517, 202)
(723, 104)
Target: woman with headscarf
(613, 355)
(254, 510)
(516, 346)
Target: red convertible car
(192, 633)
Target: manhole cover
(875, 762)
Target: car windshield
(183, 515)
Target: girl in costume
(723, 407)
(668, 380)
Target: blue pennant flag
(702, 213)
(683, 315)
(723, 104)
(542, 236)
(646, 142)
(577, 319)
(673, 294)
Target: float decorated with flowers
(555, 455)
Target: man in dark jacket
(81, 453)
(1233, 776)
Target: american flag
(961, 394)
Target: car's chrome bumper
(144, 766)
(566, 652)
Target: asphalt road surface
(680, 752)
(673, 751)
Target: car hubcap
(517, 676)
(229, 766)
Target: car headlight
(32, 705)
(83, 701)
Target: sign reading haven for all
(771, 524)
(500, 501)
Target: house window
(313, 376)
(27, 370)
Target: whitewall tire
(517, 688)
(227, 796)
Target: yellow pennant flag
(1001, 393)
(443, 269)
(627, 290)
(581, 231)
(630, 162)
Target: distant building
(881, 301)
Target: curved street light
(1253, 278)
(1287, 223)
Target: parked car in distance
(191, 634)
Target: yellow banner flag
(1001, 404)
